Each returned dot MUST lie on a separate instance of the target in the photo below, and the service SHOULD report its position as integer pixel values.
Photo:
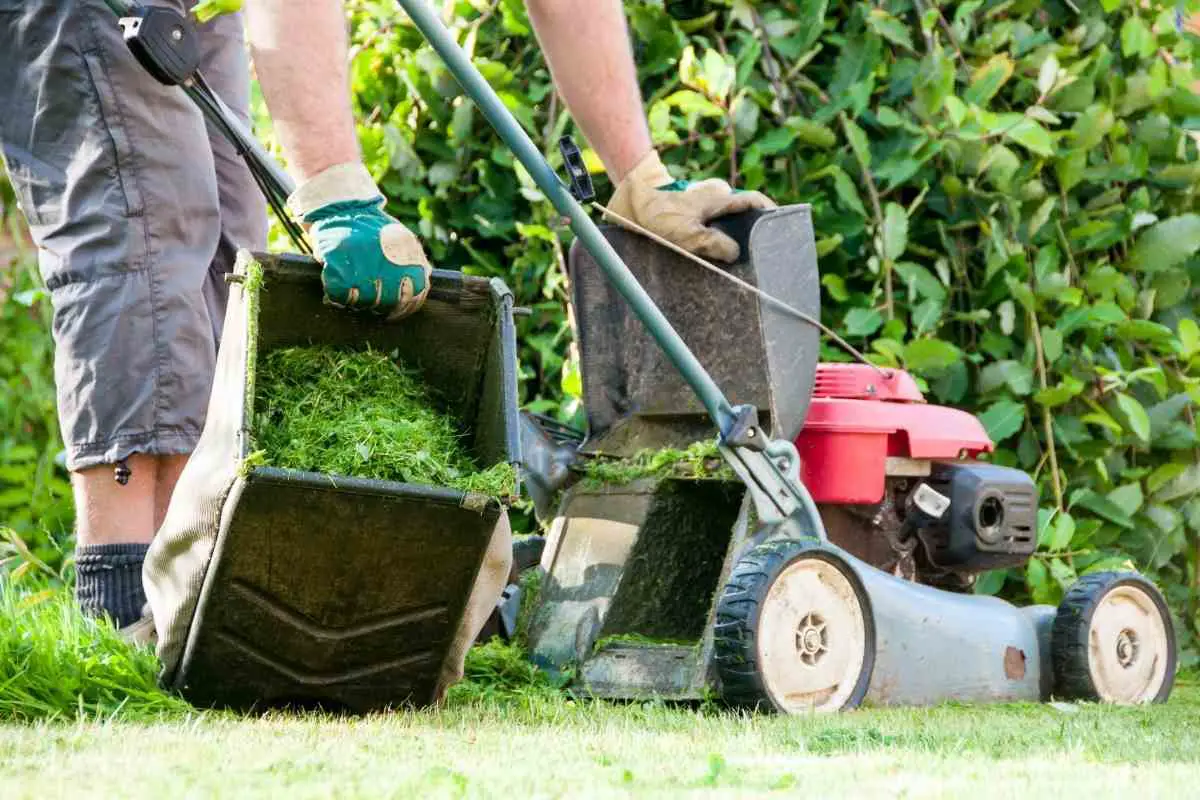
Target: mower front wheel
(1113, 641)
(794, 630)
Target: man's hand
(680, 211)
(370, 261)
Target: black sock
(108, 581)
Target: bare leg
(587, 45)
(169, 469)
(108, 513)
(115, 525)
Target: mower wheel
(794, 630)
(1113, 641)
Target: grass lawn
(562, 748)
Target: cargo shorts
(137, 209)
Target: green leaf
(1128, 498)
(927, 355)
(991, 582)
(889, 28)
(1002, 419)
(1037, 578)
(1013, 374)
(812, 133)
(1061, 532)
(836, 286)
(862, 322)
(848, 193)
(858, 141)
(1054, 396)
(1137, 41)
(1052, 344)
(1163, 475)
(934, 83)
(1047, 74)
(895, 231)
(1186, 484)
(988, 79)
(1189, 337)
(1135, 416)
(1063, 574)
(1032, 136)
(776, 141)
(1166, 243)
(1102, 507)
(207, 10)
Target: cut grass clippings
(56, 663)
(358, 414)
(700, 461)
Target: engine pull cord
(749, 287)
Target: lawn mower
(831, 571)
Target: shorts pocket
(110, 119)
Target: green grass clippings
(56, 663)
(499, 670)
(701, 460)
(638, 640)
(358, 414)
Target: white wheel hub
(1127, 647)
(811, 637)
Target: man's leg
(243, 209)
(116, 179)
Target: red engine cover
(859, 418)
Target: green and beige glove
(370, 261)
(680, 211)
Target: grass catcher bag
(318, 551)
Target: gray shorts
(137, 210)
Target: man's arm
(586, 43)
(300, 52)
(370, 261)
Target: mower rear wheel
(1113, 641)
(794, 630)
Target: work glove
(369, 260)
(680, 211)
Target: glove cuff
(648, 174)
(338, 184)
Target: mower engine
(898, 485)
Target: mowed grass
(557, 747)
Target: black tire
(739, 615)
(1070, 647)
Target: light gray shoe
(141, 633)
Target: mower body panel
(634, 397)
(932, 645)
